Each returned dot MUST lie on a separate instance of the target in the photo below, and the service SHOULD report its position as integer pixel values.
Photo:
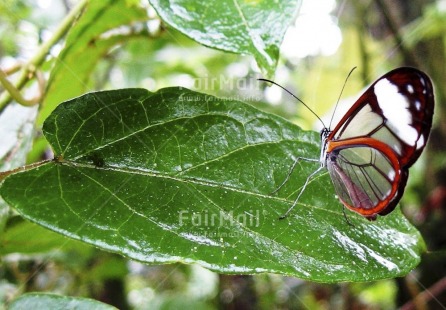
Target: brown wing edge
(423, 123)
(394, 202)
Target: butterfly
(369, 152)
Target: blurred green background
(325, 41)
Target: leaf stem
(4, 174)
(30, 68)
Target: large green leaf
(254, 27)
(179, 176)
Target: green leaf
(88, 41)
(180, 176)
(50, 301)
(254, 27)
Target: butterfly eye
(324, 133)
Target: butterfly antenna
(339, 98)
(294, 97)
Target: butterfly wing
(379, 138)
(367, 177)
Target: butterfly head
(325, 132)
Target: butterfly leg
(301, 191)
(346, 218)
(291, 171)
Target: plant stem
(13, 91)
(4, 174)
(408, 55)
(29, 68)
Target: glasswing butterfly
(370, 150)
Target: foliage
(145, 174)
(185, 177)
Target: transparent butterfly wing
(379, 138)
(365, 180)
